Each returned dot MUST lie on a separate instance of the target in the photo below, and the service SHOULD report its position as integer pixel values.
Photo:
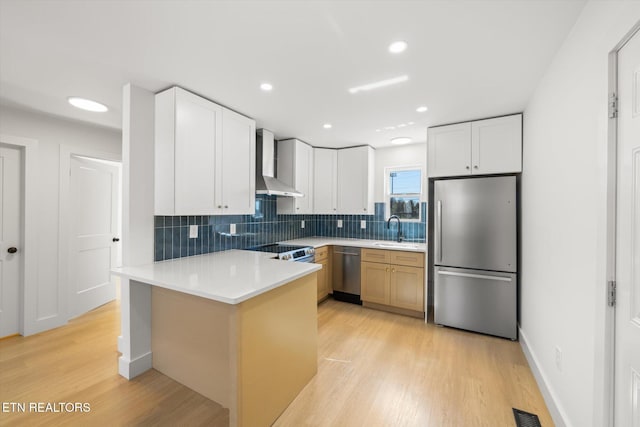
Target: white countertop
(317, 242)
(230, 277)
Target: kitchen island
(238, 327)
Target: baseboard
(120, 344)
(555, 409)
(132, 368)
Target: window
(404, 192)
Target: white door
(94, 244)
(10, 240)
(627, 347)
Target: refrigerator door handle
(475, 276)
(439, 231)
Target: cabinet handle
(219, 206)
(387, 270)
(393, 270)
(226, 206)
(475, 167)
(466, 167)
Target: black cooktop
(276, 248)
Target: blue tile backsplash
(266, 226)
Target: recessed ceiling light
(267, 87)
(377, 130)
(87, 104)
(381, 83)
(421, 109)
(327, 126)
(389, 127)
(401, 125)
(397, 47)
(401, 140)
(411, 123)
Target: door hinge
(611, 293)
(613, 106)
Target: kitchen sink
(396, 245)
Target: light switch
(302, 224)
(363, 224)
(339, 223)
(193, 231)
(232, 229)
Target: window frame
(387, 190)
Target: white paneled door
(627, 351)
(10, 240)
(94, 244)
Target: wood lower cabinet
(324, 275)
(393, 279)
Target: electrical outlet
(302, 224)
(559, 359)
(193, 231)
(363, 224)
(339, 223)
(232, 229)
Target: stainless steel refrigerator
(475, 255)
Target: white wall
(563, 215)
(52, 133)
(403, 155)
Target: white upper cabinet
(236, 165)
(449, 150)
(325, 181)
(355, 180)
(476, 148)
(496, 145)
(192, 176)
(295, 168)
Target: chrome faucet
(400, 236)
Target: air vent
(525, 419)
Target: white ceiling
(465, 60)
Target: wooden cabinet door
(496, 145)
(236, 165)
(198, 128)
(323, 280)
(407, 287)
(375, 282)
(449, 150)
(325, 184)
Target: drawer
(322, 253)
(412, 259)
(375, 255)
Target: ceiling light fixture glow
(327, 126)
(398, 46)
(401, 125)
(401, 140)
(267, 87)
(87, 104)
(421, 109)
(381, 83)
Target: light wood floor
(374, 369)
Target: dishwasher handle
(346, 253)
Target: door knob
(12, 250)
(116, 239)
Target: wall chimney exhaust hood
(266, 183)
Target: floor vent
(525, 419)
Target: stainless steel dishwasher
(346, 274)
